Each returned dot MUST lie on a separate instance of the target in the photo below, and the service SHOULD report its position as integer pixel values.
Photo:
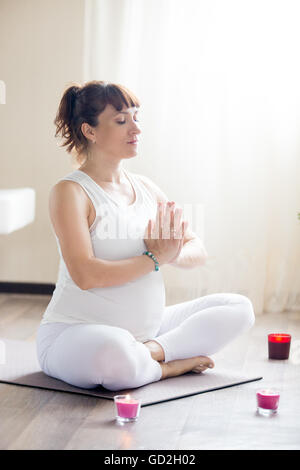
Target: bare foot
(181, 366)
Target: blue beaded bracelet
(151, 255)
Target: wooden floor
(225, 419)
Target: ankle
(165, 370)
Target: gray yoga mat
(20, 366)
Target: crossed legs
(88, 355)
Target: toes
(207, 362)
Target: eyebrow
(125, 112)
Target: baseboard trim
(26, 288)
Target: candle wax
(127, 408)
(267, 399)
(279, 338)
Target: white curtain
(219, 83)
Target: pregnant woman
(107, 323)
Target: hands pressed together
(164, 236)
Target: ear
(87, 131)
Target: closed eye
(123, 122)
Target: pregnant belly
(137, 306)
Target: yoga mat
(20, 367)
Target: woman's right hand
(164, 236)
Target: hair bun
(74, 90)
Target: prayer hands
(164, 237)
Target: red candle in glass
(279, 345)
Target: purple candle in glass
(279, 345)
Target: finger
(167, 221)
(152, 228)
(161, 219)
(182, 238)
(184, 227)
(149, 229)
(172, 228)
(156, 226)
(177, 222)
(181, 232)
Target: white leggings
(87, 355)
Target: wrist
(153, 258)
(159, 257)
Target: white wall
(41, 51)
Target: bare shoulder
(157, 192)
(66, 191)
(63, 185)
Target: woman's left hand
(183, 228)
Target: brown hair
(84, 103)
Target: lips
(133, 142)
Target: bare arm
(102, 273)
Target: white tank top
(117, 233)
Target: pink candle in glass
(267, 401)
(127, 407)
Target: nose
(135, 132)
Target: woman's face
(116, 129)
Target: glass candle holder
(127, 408)
(267, 401)
(279, 345)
